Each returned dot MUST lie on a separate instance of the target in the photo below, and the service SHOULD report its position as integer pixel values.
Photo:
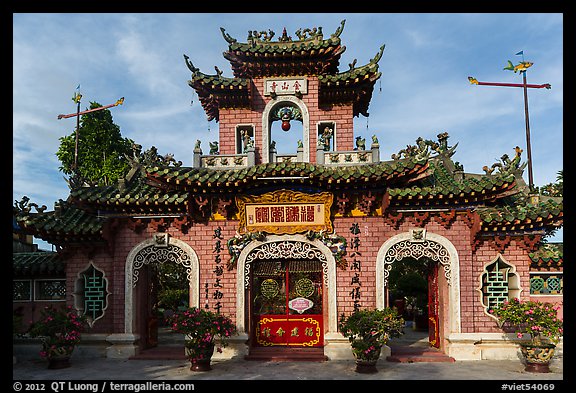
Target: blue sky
(423, 90)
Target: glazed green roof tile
(136, 196)
(37, 264)
(67, 222)
(367, 72)
(266, 54)
(445, 183)
(201, 177)
(522, 213)
(220, 82)
(553, 252)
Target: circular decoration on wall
(304, 287)
(269, 288)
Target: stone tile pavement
(243, 370)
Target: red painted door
(433, 328)
(287, 303)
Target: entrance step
(286, 354)
(403, 354)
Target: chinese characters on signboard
(264, 215)
(285, 212)
(285, 86)
(299, 331)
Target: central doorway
(287, 309)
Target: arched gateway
(418, 244)
(151, 251)
(298, 267)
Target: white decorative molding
(435, 247)
(420, 249)
(147, 252)
(313, 248)
(266, 125)
(284, 250)
(79, 292)
(513, 288)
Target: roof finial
(285, 37)
(227, 36)
(339, 30)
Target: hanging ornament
(285, 119)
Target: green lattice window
(499, 282)
(22, 290)
(53, 290)
(91, 295)
(547, 283)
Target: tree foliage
(554, 189)
(101, 149)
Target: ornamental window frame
(512, 283)
(36, 289)
(80, 293)
(30, 291)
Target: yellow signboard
(285, 212)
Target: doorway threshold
(286, 354)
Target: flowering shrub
(60, 330)
(203, 329)
(537, 319)
(368, 330)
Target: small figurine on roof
(214, 147)
(360, 143)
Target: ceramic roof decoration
(262, 56)
(413, 180)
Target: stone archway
(148, 252)
(428, 245)
(287, 245)
(266, 125)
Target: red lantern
(285, 125)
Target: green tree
(101, 149)
(554, 189)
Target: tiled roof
(310, 54)
(414, 182)
(548, 255)
(355, 85)
(522, 216)
(196, 179)
(217, 91)
(37, 263)
(443, 188)
(136, 197)
(66, 224)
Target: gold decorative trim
(315, 340)
(286, 198)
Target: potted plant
(204, 330)
(60, 329)
(537, 319)
(368, 330)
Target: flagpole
(77, 97)
(522, 67)
(77, 130)
(530, 177)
